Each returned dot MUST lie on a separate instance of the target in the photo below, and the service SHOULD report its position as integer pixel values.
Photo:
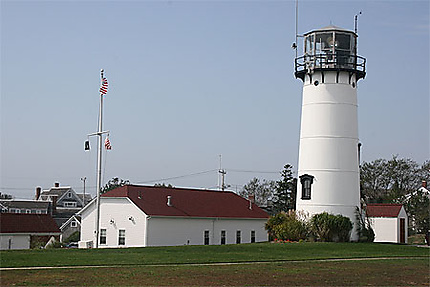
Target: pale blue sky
(190, 80)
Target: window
(28, 211)
(121, 237)
(69, 195)
(252, 236)
(69, 204)
(306, 180)
(17, 211)
(102, 235)
(74, 224)
(206, 237)
(222, 237)
(39, 211)
(238, 237)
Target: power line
(177, 177)
(252, 171)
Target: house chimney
(38, 191)
(56, 184)
(169, 200)
(424, 183)
(54, 203)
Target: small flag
(104, 87)
(107, 144)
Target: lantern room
(330, 48)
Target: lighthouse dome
(331, 28)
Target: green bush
(331, 228)
(74, 237)
(287, 226)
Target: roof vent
(169, 200)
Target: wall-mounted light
(112, 221)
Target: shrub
(74, 237)
(329, 227)
(365, 231)
(287, 226)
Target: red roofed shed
(383, 210)
(20, 231)
(389, 222)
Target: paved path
(209, 264)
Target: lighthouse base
(348, 211)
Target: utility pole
(222, 172)
(84, 179)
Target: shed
(389, 222)
(21, 231)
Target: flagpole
(99, 164)
(99, 134)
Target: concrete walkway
(209, 264)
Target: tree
(261, 189)
(163, 185)
(398, 181)
(286, 191)
(417, 207)
(114, 183)
(388, 180)
(373, 180)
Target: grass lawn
(280, 264)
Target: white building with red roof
(389, 222)
(140, 216)
(21, 231)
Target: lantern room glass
(330, 42)
(331, 48)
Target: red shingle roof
(27, 223)
(383, 210)
(188, 202)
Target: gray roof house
(65, 201)
(25, 206)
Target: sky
(190, 81)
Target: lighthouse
(328, 166)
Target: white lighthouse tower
(328, 167)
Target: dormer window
(70, 204)
(306, 180)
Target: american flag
(107, 144)
(104, 87)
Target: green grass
(260, 252)
(291, 264)
(395, 272)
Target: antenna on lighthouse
(294, 45)
(356, 22)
